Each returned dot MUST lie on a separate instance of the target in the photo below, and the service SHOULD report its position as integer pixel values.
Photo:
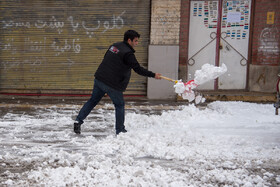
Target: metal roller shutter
(56, 46)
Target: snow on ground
(224, 144)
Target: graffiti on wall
(115, 22)
(268, 44)
(57, 43)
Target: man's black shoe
(77, 127)
(123, 131)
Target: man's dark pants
(98, 92)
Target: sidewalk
(240, 96)
(25, 103)
(210, 96)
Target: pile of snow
(225, 144)
(207, 73)
(186, 91)
(179, 87)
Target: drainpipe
(218, 40)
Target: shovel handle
(169, 79)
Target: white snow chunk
(208, 72)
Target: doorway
(219, 33)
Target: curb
(104, 107)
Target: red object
(190, 85)
(190, 82)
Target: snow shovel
(191, 82)
(185, 90)
(168, 79)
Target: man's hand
(157, 76)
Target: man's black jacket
(115, 69)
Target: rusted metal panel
(57, 45)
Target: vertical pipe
(250, 46)
(218, 39)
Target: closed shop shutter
(56, 46)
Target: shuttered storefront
(56, 46)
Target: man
(112, 77)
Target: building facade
(247, 40)
(54, 47)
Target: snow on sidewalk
(225, 144)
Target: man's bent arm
(131, 61)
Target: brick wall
(184, 36)
(266, 37)
(184, 27)
(165, 22)
(265, 47)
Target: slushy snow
(224, 144)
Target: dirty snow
(223, 144)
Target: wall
(164, 48)
(264, 54)
(265, 61)
(266, 37)
(184, 36)
(56, 46)
(165, 22)
(163, 59)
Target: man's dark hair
(130, 34)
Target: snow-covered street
(221, 144)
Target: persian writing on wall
(35, 42)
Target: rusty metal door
(56, 46)
(219, 33)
